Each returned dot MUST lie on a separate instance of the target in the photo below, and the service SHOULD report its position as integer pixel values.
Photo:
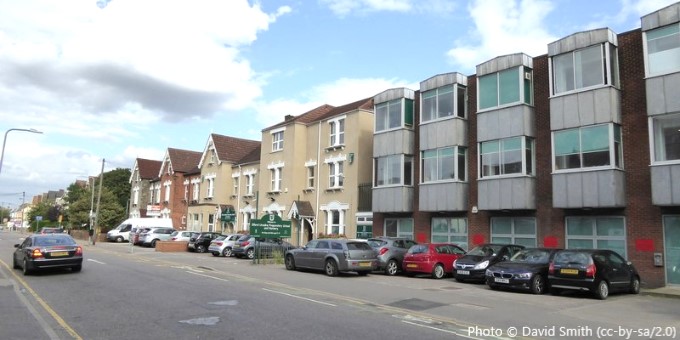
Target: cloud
(502, 27)
(630, 13)
(346, 7)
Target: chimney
(289, 117)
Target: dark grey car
(334, 256)
(391, 252)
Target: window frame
(399, 233)
(594, 237)
(615, 149)
(449, 236)
(654, 141)
(403, 174)
(277, 140)
(276, 179)
(525, 88)
(336, 132)
(311, 176)
(455, 104)
(383, 121)
(608, 62)
(646, 40)
(514, 235)
(335, 174)
(528, 154)
(456, 156)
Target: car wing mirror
(17, 245)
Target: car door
(303, 256)
(620, 274)
(318, 255)
(20, 253)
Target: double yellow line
(42, 303)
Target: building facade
(144, 171)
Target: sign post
(270, 226)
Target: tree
(110, 212)
(118, 181)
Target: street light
(2, 155)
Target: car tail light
(590, 271)
(219, 244)
(173, 239)
(383, 251)
(37, 253)
(79, 251)
(551, 269)
(454, 263)
(245, 243)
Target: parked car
(435, 259)
(223, 245)
(135, 232)
(391, 251)
(472, 266)
(155, 234)
(245, 246)
(334, 256)
(527, 269)
(199, 242)
(48, 230)
(42, 251)
(181, 235)
(598, 271)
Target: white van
(122, 232)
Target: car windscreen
(358, 246)
(485, 250)
(56, 240)
(572, 257)
(531, 256)
(376, 243)
(418, 249)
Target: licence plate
(411, 265)
(501, 280)
(364, 264)
(59, 253)
(463, 272)
(569, 271)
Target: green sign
(228, 215)
(270, 226)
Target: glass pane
(445, 101)
(525, 241)
(391, 228)
(563, 66)
(459, 226)
(667, 138)
(440, 225)
(488, 91)
(618, 246)
(408, 168)
(408, 111)
(440, 238)
(509, 86)
(525, 226)
(429, 105)
(446, 164)
(589, 67)
(671, 226)
(461, 109)
(579, 226)
(395, 114)
(501, 226)
(610, 226)
(579, 244)
(595, 138)
(497, 239)
(491, 164)
(394, 170)
(492, 146)
(461, 241)
(663, 48)
(406, 226)
(567, 142)
(429, 169)
(462, 164)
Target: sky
(108, 81)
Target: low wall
(171, 246)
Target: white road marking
(300, 297)
(95, 261)
(208, 276)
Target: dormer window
(277, 140)
(337, 132)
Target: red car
(435, 259)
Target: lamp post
(2, 155)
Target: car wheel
(200, 248)
(538, 284)
(362, 273)
(227, 252)
(77, 269)
(25, 267)
(438, 272)
(635, 285)
(119, 239)
(331, 268)
(153, 243)
(290, 262)
(602, 291)
(250, 253)
(392, 268)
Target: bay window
(585, 147)
(663, 50)
(393, 170)
(443, 102)
(444, 164)
(584, 68)
(666, 137)
(393, 114)
(505, 87)
(510, 156)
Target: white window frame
(211, 187)
(337, 131)
(277, 139)
(383, 115)
(195, 188)
(403, 226)
(455, 104)
(594, 238)
(276, 174)
(235, 185)
(250, 183)
(608, 61)
(673, 54)
(457, 149)
(157, 194)
(656, 137)
(166, 188)
(451, 235)
(186, 190)
(384, 175)
(527, 149)
(615, 153)
(311, 176)
(135, 195)
(525, 79)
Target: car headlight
(482, 265)
(523, 276)
(488, 273)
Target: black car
(527, 269)
(247, 246)
(42, 251)
(472, 266)
(598, 271)
(199, 242)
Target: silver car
(334, 256)
(223, 245)
(391, 252)
(153, 235)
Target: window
(507, 157)
(157, 194)
(388, 115)
(517, 230)
(277, 140)
(336, 175)
(186, 190)
(666, 137)
(235, 181)
(135, 196)
(195, 188)
(334, 227)
(442, 102)
(211, 187)
(337, 132)
(597, 232)
(364, 231)
(211, 222)
(393, 170)
(505, 87)
(663, 50)
(399, 227)
(276, 179)
(593, 146)
(450, 230)
(310, 176)
(166, 188)
(441, 164)
(591, 66)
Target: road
(137, 293)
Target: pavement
(668, 291)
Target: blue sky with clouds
(121, 79)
